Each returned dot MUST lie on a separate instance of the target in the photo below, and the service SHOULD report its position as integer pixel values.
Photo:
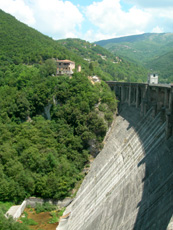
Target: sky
(93, 20)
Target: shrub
(28, 221)
(56, 215)
(45, 207)
(4, 206)
(102, 107)
(10, 223)
(109, 117)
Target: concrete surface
(130, 182)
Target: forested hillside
(47, 123)
(44, 157)
(163, 65)
(153, 51)
(105, 64)
(22, 44)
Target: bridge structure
(145, 96)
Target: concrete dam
(130, 183)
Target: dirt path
(42, 219)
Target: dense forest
(48, 124)
(151, 50)
(44, 157)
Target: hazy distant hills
(163, 65)
(153, 51)
(105, 64)
(132, 38)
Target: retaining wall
(17, 210)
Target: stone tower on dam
(130, 183)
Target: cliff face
(129, 185)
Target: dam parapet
(159, 97)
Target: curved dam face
(130, 183)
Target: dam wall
(159, 97)
(130, 183)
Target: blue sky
(93, 20)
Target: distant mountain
(145, 49)
(132, 38)
(164, 66)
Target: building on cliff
(65, 67)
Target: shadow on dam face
(155, 209)
(130, 183)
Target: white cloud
(109, 17)
(162, 19)
(161, 13)
(91, 35)
(56, 18)
(103, 19)
(61, 19)
(19, 9)
(151, 3)
(157, 29)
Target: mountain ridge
(132, 38)
(129, 38)
(147, 50)
(22, 44)
(104, 63)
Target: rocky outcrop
(47, 111)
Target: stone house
(65, 67)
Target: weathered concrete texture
(32, 201)
(129, 185)
(16, 211)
